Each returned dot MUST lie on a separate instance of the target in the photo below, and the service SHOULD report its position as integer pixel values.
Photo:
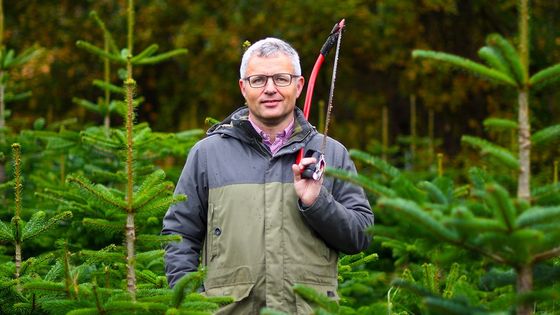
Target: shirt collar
(284, 134)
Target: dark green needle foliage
(122, 195)
(13, 275)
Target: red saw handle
(329, 43)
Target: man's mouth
(270, 102)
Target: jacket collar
(237, 125)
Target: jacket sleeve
(341, 217)
(187, 219)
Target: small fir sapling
(16, 233)
(153, 195)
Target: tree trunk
(524, 137)
(18, 259)
(129, 231)
(130, 255)
(524, 285)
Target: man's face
(271, 105)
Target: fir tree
(483, 219)
(148, 195)
(16, 234)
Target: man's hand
(306, 189)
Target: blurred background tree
(375, 69)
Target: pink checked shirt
(281, 137)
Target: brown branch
(547, 255)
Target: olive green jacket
(243, 220)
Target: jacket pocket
(240, 294)
(304, 308)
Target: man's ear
(242, 86)
(300, 84)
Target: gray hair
(270, 47)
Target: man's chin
(273, 120)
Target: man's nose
(269, 87)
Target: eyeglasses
(279, 79)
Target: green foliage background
(421, 210)
(375, 68)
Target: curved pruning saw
(315, 171)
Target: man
(256, 224)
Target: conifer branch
(511, 57)
(98, 191)
(379, 164)
(6, 233)
(360, 180)
(123, 307)
(466, 64)
(190, 282)
(476, 225)
(555, 252)
(150, 50)
(498, 199)
(102, 256)
(157, 240)
(153, 193)
(57, 197)
(160, 206)
(364, 260)
(102, 225)
(106, 34)
(538, 215)
(545, 77)
(500, 123)
(434, 192)
(100, 52)
(416, 214)
(55, 272)
(102, 142)
(494, 59)
(161, 57)
(108, 86)
(498, 152)
(546, 136)
(147, 258)
(7, 58)
(22, 58)
(311, 295)
(45, 286)
(38, 223)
